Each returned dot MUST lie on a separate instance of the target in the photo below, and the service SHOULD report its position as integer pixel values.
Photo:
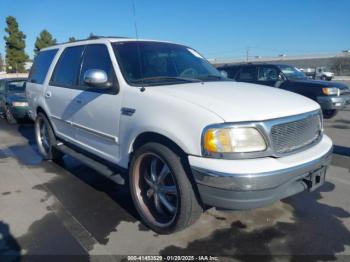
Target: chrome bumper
(247, 191)
(333, 102)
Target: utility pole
(247, 49)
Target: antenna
(142, 89)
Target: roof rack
(93, 37)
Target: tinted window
(248, 73)
(16, 86)
(268, 73)
(155, 63)
(68, 67)
(41, 65)
(97, 57)
(2, 86)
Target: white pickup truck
(318, 73)
(186, 137)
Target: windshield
(16, 86)
(292, 73)
(153, 63)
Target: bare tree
(341, 65)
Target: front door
(268, 75)
(96, 118)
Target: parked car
(318, 73)
(186, 137)
(332, 96)
(13, 103)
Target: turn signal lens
(330, 91)
(217, 140)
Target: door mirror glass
(96, 78)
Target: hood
(322, 83)
(239, 102)
(18, 97)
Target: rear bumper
(252, 183)
(333, 102)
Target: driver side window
(267, 73)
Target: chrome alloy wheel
(156, 189)
(42, 136)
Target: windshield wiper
(164, 78)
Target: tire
(329, 113)
(46, 139)
(172, 190)
(329, 78)
(9, 117)
(324, 78)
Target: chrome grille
(291, 136)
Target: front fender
(178, 120)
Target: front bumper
(333, 102)
(252, 183)
(20, 112)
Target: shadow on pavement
(10, 250)
(341, 150)
(316, 230)
(97, 203)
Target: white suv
(187, 137)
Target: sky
(217, 29)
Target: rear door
(62, 92)
(96, 116)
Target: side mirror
(281, 77)
(224, 73)
(97, 78)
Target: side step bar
(99, 167)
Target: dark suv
(331, 96)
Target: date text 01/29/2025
(172, 258)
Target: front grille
(291, 136)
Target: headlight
(331, 91)
(233, 140)
(19, 104)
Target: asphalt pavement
(50, 209)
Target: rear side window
(248, 73)
(41, 65)
(97, 57)
(67, 68)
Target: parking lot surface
(49, 208)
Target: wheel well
(147, 137)
(40, 110)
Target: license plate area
(315, 179)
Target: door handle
(78, 101)
(48, 94)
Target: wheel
(161, 190)
(324, 78)
(45, 138)
(9, 117)
(329, 113)
(329, 78)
